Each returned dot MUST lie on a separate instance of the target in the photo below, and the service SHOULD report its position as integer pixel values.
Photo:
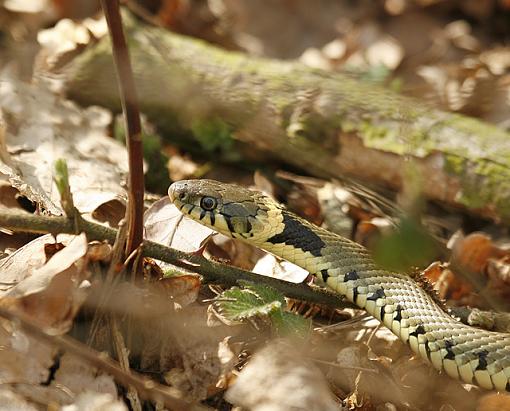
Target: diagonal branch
(147, 388)
(210, 270)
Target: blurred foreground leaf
(291, 324)
(408, 247)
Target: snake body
(472, 355)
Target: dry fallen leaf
(182, 289)
(20, 264)
(277, 378)
(78, 377)
(24, 359)
(472, 252)
(494, 402)
(181, 167)
(41, 128)
(189, 353)
(446, 283)
(12, 401)
(270, 266)
(360, 370)
(385, 51)
(93, 401)
(52, 293)
(165, 224)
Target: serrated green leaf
(237, 304)
(266, 293)
(290, 324)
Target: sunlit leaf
(239, 304)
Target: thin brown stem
(129, 102)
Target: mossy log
(329, 124)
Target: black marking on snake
(229, 222)
(355, 294)
(191, 209)
(203, 213)
(450, 355)
(248, 226)
(351, 275)
(427, 349)
(382, 313)
(417, 331)
(325, 275)
(298, 235)
(482, 360)
(398, 310)
(376, 295)
(507, 388)
(213, 219)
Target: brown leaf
(51, 294)
(20, 264)
(24, 359)
(494, 402)
(446, 283)
(41, 127)
(278, 378)
(270, 266)
(183, 289)
(165, 224)
(78, 377)
(12, 401)
(472, 253)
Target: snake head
(227, 208)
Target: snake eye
(208, 203)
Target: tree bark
(328, 124)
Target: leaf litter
(42, 127)
(376, 370)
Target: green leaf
(61, 176)
(212, 133)
(239, 304)
(291, 324)
(260, 300)
(409, 246)
(264, 292)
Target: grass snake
(472, 355)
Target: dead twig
(210, 270)
(129, 102)
(147, 388)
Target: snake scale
(472, 355)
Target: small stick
(147, 388)
(210, 270)
(129, 101)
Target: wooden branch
(327, 124)
(210, 270)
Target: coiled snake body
(463, 352)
